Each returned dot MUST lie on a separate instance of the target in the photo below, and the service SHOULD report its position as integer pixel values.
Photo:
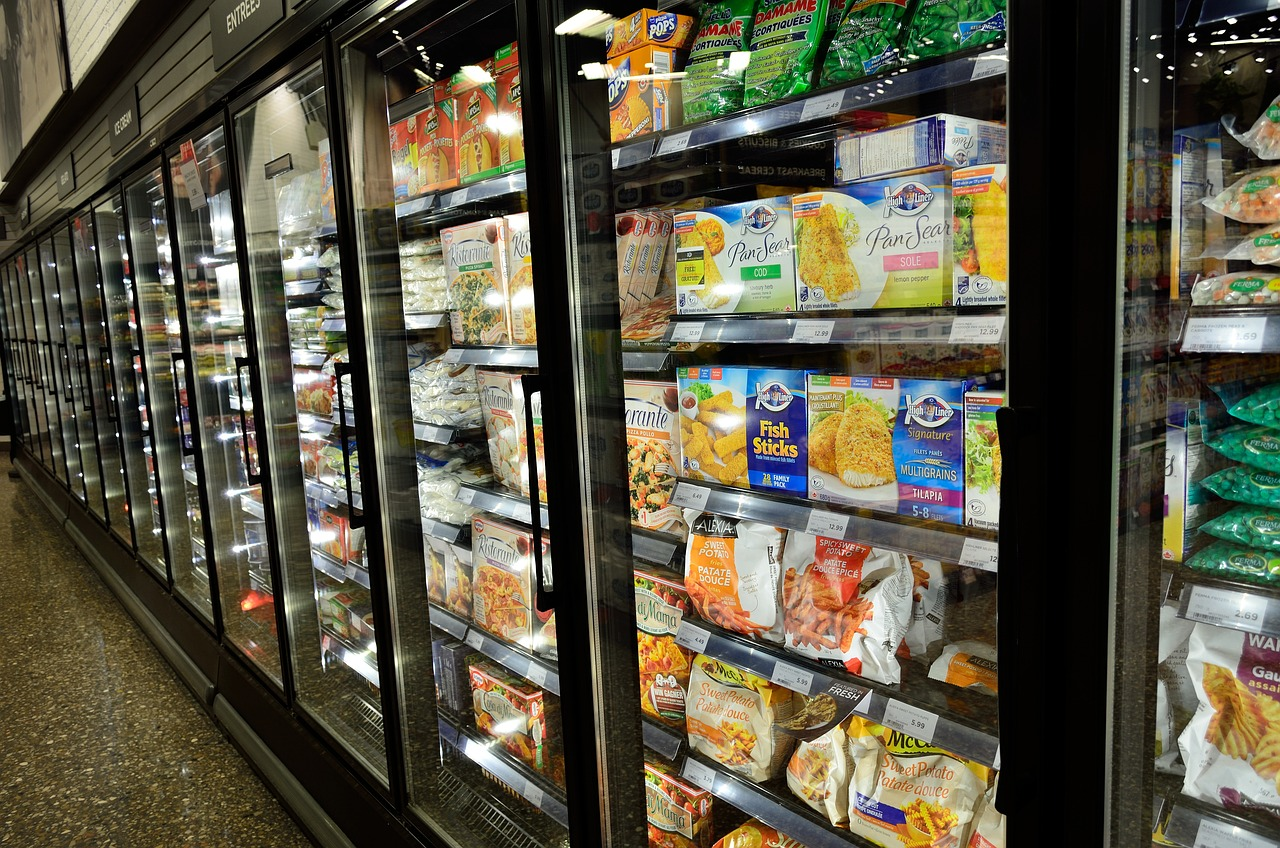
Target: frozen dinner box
(524, 330)
(648, 26)
(851, 422)
(936, 140)
(476, 93)
(511, 710)
(713, 424)
(503, 601)
(502, 401)
(983, 462)
(404, 157)
(981, 235)
(664, 666)
(438, 142)
(653, 454)
(475, 257)
(510, 117)
(735, 259)
(928, 449)
(679, 811)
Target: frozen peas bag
(1241, 289)
(1245, 485)
(1263, 138)
(1261, 407)
(1247, 525)
(1252, 199)
(714, 82)
(785, 37)
(1256, 446)
(1261, 247)
(1231, 561)
(865, 42)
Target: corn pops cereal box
(928, 449)
(477, 134)
(850, 449)
(648, 26)
(735, 259)
(438, 142)
(638, 103)
(510, 117)
(713, 424)
(777, 457)
(653, 454)
(981, 235)
(678, 811)
(876, 244)
(511, 710)
(982, 460)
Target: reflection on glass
(220, 383)
(60, 363)
(124, 377)
(16, 350)
(296, 282)
(48, 398)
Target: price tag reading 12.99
(813, 331)
(912, 721)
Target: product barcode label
(1225, 608)
(822, 106)
(813, 331)
(687, 331)
(532, 793)
(912, 721)
(795, 679)
(980, 553)
(674, 143)
(832, 525)
(452, 355)
(701, 776)
(692, 637)
(990, 64)
(1210, 335)
(475, 638)
(977, 329)
(690, 496)
(1216, 834)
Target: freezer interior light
(594, 71)
(590, 22)
(476, 74)
(738, 60)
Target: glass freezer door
(46, 398)
(15, 350)
(307, 405)
(97, 375)
(61, 364)
(221, 380)
(125, 379)
(22, 321)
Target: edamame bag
(939, 27)
(1256, 446)
(713, 85)
(1246, 485)
(1248, 525)
(1230, 561)
(1261, 407)
(785, 39)
(866, 41)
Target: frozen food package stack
(735, 717)
(423, 276)
(644, 239)
(664, 665)
(445, 393)
(641, 49)
(438, 140)
(679, 813)
(475, 90)
(939, 27)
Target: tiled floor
(100, 743)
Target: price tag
(687, 331)
(813, 332)
(1209, 335)
(532, 793)
(466, 495)
(475, 638)
(452, 355)
(460, 196)
(537, 674)
(977, 329)
(617, 157)
(822, 106)
(1238, 610)
(912, 721)
(1217, 834)
(692, 637)
(980, 553)
(829, 524)
(990, 64)
(703, 777)
(995, 764)
(674, 143)
(795, 679)
(690, 497)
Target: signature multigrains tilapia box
(776, 430)
(928, 449)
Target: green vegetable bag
(1236, 562)
(1245, 485)
(713, 83)
(1261, 407)
(785, 38)
(1256, 446)
(939, 27)
(1247, 525)
(866, 42)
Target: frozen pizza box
(928, 449)
(876, 244)
(503, 591)
(735, 259)
(475, 257)
(936, 140)
(850, 450)
(502, 404)
(649, 26)
(524, 330)
(476, 93)
(713, 424)
(981, 235)
(983, 462)
(653, 454)
(510, 118)
(777, 434)
(678, 810)
(511, 710)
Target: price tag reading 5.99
(912, 721)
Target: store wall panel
(196, 44)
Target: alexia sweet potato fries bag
(732, 572)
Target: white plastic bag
(1263, 138)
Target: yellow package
(638, 103)
(713, 424)
(733, 718)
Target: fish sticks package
(928, 449)
(776, 456)
(846, 604)
(940, 27)
(714, 81)
(785, 37)
(850, 448)
(981, 235)
(732, 570)
(866, 41)
(735, 259)
(713, 424)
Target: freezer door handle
(1013, 428)
(65, 370)
(104, 360)
(253, 475)
(82, 367)
(530, 385)
(185, 437)
(354, 517)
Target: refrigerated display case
(123, 374)
(60, 364)
(223, 431)
(47, 398)
(1196, 709)
(307, 405)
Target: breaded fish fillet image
(824, 257)
(712, 295)
(822, 443)
(864, 448)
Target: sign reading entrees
(237, 23)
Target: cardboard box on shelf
(641, 101)
(524, 330)
(983, 460)
(928, 449)
(509, 120)
(777, 433)
(736, 259)
(475, 257)
(511, 710)
(476, 93)
(404, 157)
(653, 454)
(504, 596)
(649, 26)
(438, 141)
(936, 140)
(981, 234)
(851, 421)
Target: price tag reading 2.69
(912, 721)
(1224, 333)
(1225, 608)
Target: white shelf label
(813, 331)
(795, 679)
(532, 793)
(829, 524)
(995, 764)
(687, 331)
(692, 637)
(912, 721)
(674, 143)
(703, 777)
(475, 638)
(1224, 333)
(460, 196)
(452, 355)
(537, 675)
(466, 495)
(1216, 834)
(980, 553)
(690, 497)
(351, 572)
(977, 329)
(822, 106)
(990, 64)
(1238, 610)
(617, 157)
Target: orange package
(649, 26)
(732, 572)
(664, 665)
(679, 813)
(510, 120)
(438, 142)
(477, 109)
(755, 834)
(639, 103)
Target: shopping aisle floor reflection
(100, 743)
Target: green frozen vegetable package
(865, 42)
(1245, 485)
(1237, 562)
(1257, 527)
(1261, 407)
(1256, 446)
(939, 27)
(785, 39)
(714, 78)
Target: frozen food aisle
(102, 744)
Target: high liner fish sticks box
(928, 449)
(776, 430)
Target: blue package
(928, 449)
(777, 430)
